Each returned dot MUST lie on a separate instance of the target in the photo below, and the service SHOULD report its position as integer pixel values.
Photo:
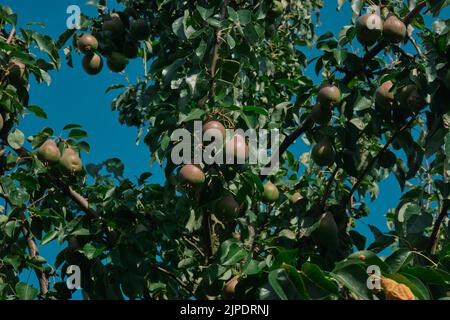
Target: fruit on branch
(369, 28)
(49, 151)
(328, 95)
(140, 29)
(230, 286)
(114, 26)
(216, 126)
(387, 159)
(396, 291)
(117, 62)
(321, 114)
(323, 153)
(87, 44)
(1, 122)
(271, 193)
(237, 148)
(394, 30)
(16, 72)
(296, 197)
(383, 96)
(192, 174)
(70, 161)
(410, 98)
(326, 234)
(92, 64)
(130, 49)
(227, 208)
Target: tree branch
(32, 249)
(11, 35)
(432, 245)
(374, 159)
(348, 77)
(216, 54)
(173, 276)
(82, 202)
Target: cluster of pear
(69, 160)
(328, 95)
(370, 28)
(119, 41)
(227, 207)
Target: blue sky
(75, 97)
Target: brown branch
(415, 45)
(374, 159)
(173, 276)
(32, 249)
(432, 244)
(327, 191)
(348, 77)
(81, 201)
(382, 44)
(216, 54)
(11, 35)
(288, 141)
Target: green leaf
(37, 111)
(25, 291)
(313, 273)
(282, 285)
(16, 139)
(354, 278)
(398, 259)
(77, 134)
(49, 236)
(92, 252)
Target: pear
(271, 193)
(70, 161)
(192, 174)
(87, 44)
(230, 286)
(394, 30)
(227, 207)
(49, 152)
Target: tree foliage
(244, 64)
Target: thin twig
(11, 35)
(32, 248)
(374, 159)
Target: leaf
(416, 286)
(195, 114)
(354, 278)
(25, 291)
(398, 259)
(16, 139)
(37, 111)
(49, 237)
(313, 273)
(244, 17)
(77, 134)
(282, 285)
(92, 252)
(71, 126)
(115, 166)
